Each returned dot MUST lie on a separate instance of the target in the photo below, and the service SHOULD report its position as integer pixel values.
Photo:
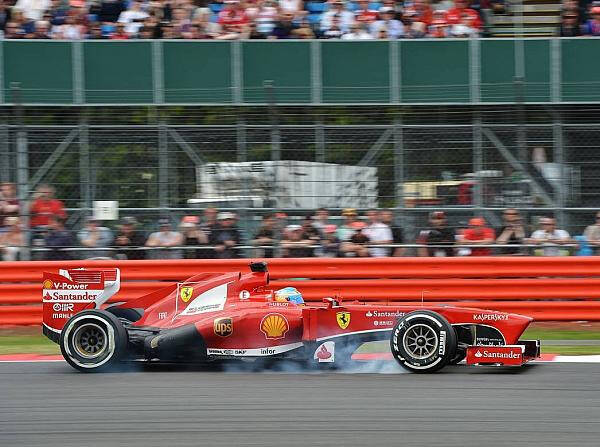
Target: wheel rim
(420, 341)
(90, 340)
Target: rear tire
(423, 341)
(93, 341)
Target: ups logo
(223, 327)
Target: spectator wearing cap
(550, 238)
(478, 234)
(393, 27)
(592, 233)
(193, 236)
(356, 246)
(511, 233)
(45, 205)
(128, 238)
(58, 238)
(9, 204)
(296, 243)
(225, 237)
(363, 14)
(439, 238)
(592, 26)
(462, 15)
(12, 240)
(387, 217)
(93, 235)
(330, 244)
(439, 27)
(266, 235)
(346, 230)
(337, 9)
(378, 234)
(165, 238)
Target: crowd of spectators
(243, 19)
(579, 18)
(216, 234)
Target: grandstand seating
(539, 17)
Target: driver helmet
(290, 294)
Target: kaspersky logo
(498, 355)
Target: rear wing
(73, 290)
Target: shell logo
(47, 284)
(274, 326)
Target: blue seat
(216, 7)
(314, 18)
(315, 6)
(374, 6)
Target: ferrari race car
(217, 316)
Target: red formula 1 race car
(217, 316)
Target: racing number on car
(343, 319)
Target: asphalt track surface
(50, 404)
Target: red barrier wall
(562, 289)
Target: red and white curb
(545, 358)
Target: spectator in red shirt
(44, 206)
(438, 29)
(233, 13)
(456, 15)
(478, 233)
(423, 11)
(363, 13)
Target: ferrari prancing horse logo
(186, 293)
(343, 319)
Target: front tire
(93, 340)
(423, 341)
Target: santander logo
(498, 355)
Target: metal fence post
(559, 158)
(84, 164)
(22, 169)
(477, 162)
(163, 165)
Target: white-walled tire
(423, 341)
(93, 340)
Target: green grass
(571, 350)
(537, 333)
(27, 344)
